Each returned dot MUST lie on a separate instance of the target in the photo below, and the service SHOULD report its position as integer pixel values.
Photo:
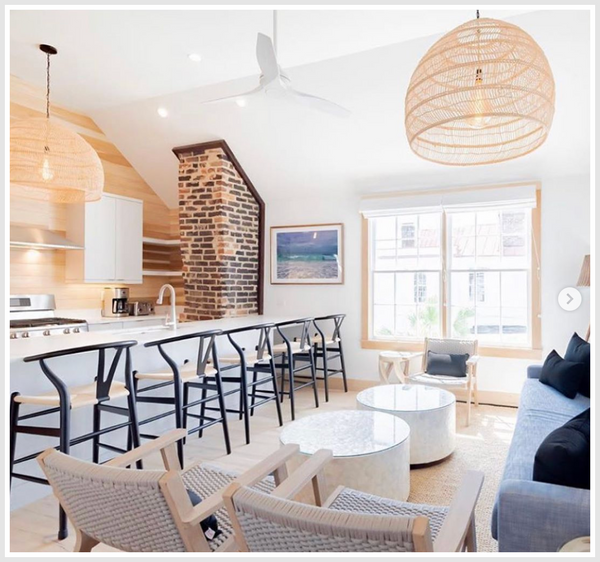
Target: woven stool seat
(187, 373)
(84, 395)
(282, 348)
(251, 358)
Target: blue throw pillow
(578, 351)
(447, 364)
(210, 525)
(563, 458)
(564, 376)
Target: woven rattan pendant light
(50, 162)
(484, 93)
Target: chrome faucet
(171, 320)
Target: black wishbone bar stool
(203, 373)
(259, 361)
(64, 399)
(297, 355)
(328, 347)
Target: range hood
(37, 238)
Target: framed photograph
(307, 255)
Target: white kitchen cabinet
(111, 231)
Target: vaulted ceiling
(121, 66)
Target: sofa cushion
(563, 458)
(578, 351)
(564, 376)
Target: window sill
(505, 352)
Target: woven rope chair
(349, 520)
(150, 510)
(468, 382)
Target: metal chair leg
(253, 394)
(343, 366)
(96, 438)
(221, 400)
(64, 447)
(276, 391)
(325, 371)
(291, 368)
(313, 372)
(202, 411)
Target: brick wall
(220, 225)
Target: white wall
(565, 240)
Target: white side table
(429, 411)
(394, 365)
(371, 450)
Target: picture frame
(310, 254)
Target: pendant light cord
(47, 85)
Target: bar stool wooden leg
(313, 372)
(343, 366)
(14, 419)
(221, 401)
(325, 371)
(96, 438)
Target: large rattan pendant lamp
(50, 162)
(484, 93)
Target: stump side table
(371, 450)
(430, 412)
(395, 364)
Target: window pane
(407, 238)
(462, 240)
(406, 321)
(385, 228)
(462, 319)
(405, 288)
(462, 290)
(515, 327)
(383, 288)
(383, 320)
(385, 255)
(514, 289)
(429, 241)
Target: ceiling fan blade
(267, 60)
(233, 97)
(318, 103)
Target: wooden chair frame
(456, 535)
(470, 384)
(186, 516)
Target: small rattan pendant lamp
(50, 162)
(484, 93)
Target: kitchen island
(28, 379)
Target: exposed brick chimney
(221, 221)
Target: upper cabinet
(111, 231)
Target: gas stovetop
(33, 315)
(43, 322)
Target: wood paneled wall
(34, 271)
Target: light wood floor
(482, 446)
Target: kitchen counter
(21, 348)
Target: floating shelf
(161, 273)
(160, 241)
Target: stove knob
(46, 332)
(66, 331)
(75, 330)
(25, 335)
(14, 336)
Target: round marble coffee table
(371, 450)
(430, 412)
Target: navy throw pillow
(210, 525)
(578, 351)
(564, 376)
(563, 458)
(447, 364)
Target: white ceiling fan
(275, 82)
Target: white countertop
(94, 316)
(22, 348)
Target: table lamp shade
(584, 275)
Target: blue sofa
(533, 516)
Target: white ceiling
(121, 66)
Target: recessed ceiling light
(195, 57)
(241, 102)
(162, 112)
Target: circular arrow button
(569, 299)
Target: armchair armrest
(161, 444)
(459, 521)
(309, 470)
(534, 371)
(473, 360)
